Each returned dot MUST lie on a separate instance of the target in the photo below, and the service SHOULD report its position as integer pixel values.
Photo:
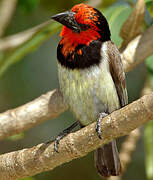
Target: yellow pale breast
(89, 91)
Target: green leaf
(116, 16)
(148, 141)
(32, 39)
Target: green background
(36, 73)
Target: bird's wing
(117, 72)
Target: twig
(25, 117)
(14, 41)
(133, 25)
(7, 8)
(28, 162)
(31, 114)
(127, 149)
(129, 144)
(138, 49)
(31, 161)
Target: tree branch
(7, 8)
(129, 145)
(28, 162)
(45, 107)
(17, 40)
(51, 104)
(133, 25)
(138, 49)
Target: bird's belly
(88, 92)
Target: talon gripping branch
(91, 76)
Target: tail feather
(107, 160)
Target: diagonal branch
(51, 104)
(129, 145)
(28, 162)
(138, 49)
(7, 8)
(45, 107)
(133, 25)
(17, 40)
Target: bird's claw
(63, 134)
(56, 143)
(98, 127)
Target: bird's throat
(79, 56)
(70, 40)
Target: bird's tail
(107, 160)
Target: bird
(91, 77)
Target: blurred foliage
(116, 13)
(28, 178)
(149, 64)
(148, 139)
(148, 1)
(106, 3)
(116, 16)
(28, 5)
(10, 57)
(58, 5)
(149, 4)
(148, 130)
(16, 137)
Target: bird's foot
(98, 128)
(63, 134)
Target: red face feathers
(83, 24)
(86, 17)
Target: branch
(14, 47)
(133, 25)
(129, 145)
(138, 50)
(17, 40)
(45, 107)
(28, 162)
(7, 8)
(126, 151)
(51, 104)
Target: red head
(86, 17)
(82, 25)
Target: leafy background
(30, 70)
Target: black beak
(67, 19)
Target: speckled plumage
(91, 76)
(90, 91)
